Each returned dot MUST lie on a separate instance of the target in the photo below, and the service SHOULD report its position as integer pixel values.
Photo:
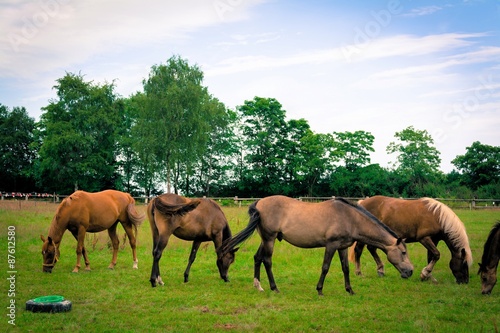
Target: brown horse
(84, 212)
(197, 220)
(333, 224)
(426, 221)
(489, 261)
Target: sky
(368, 65)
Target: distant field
(122, 300)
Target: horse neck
(375, 234)
(57, 229)
(492, 253)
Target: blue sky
(377, 66)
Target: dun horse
(426, 221)
(84, 212)
(489, 261)
(333, 224)
(197, 220)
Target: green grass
(122, 300)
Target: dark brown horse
(197, 220)
(333, 224)
(426, 221)
(84, 212)
(489, 261)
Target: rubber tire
(38, 305)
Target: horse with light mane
(423, 220)
(83, 212)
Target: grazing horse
(489, 261)
(197, 220)
(426, 221)
(84, 212)
(333, 224)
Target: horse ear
(42, 238)
(399, 241)
(464, 254)
(235, 250)
(50, 240)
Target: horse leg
(257, 263)
(158, 248)
(378, 261)
(192, 257)
(267, 255)
(80, 249)
(133, 243)
(433, 256)
(115, 242)
(327, 260)
(358, 251)
(344, 261)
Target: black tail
(244, 234)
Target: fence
(238, 201)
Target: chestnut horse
(489, 261)
(197, 220)
(424, 220)
(84, 212)
(333, 224)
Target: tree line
(175, 136)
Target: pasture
(122, 300)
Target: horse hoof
(381, 274)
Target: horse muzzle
(406, 273)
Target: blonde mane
(452, 226)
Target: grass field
(122, 300)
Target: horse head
(460, 267)
(50, 252)
(488, 278)
(398, 256)
(224, 260)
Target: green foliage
(480, 166)
(418, 160)
(78, 135)
(17, 153)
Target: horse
(423, 220)
(197, 220)
(334, 224)
(489, 261)
(84, 212)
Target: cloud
(427, 10)
(40, 36)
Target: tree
(79, 136)
(263, 128)
(479, 166)
(354, 148)
(16, 149)
(175, 117)
(418, 160)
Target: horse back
(96, 211)
(409, 219)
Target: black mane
(488, 245)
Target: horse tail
(174, 209)
(352, 255)
(229, 244)
(134, 216)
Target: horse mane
(367, 213)
(175, 209)
(487, 247)
(451, 225)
